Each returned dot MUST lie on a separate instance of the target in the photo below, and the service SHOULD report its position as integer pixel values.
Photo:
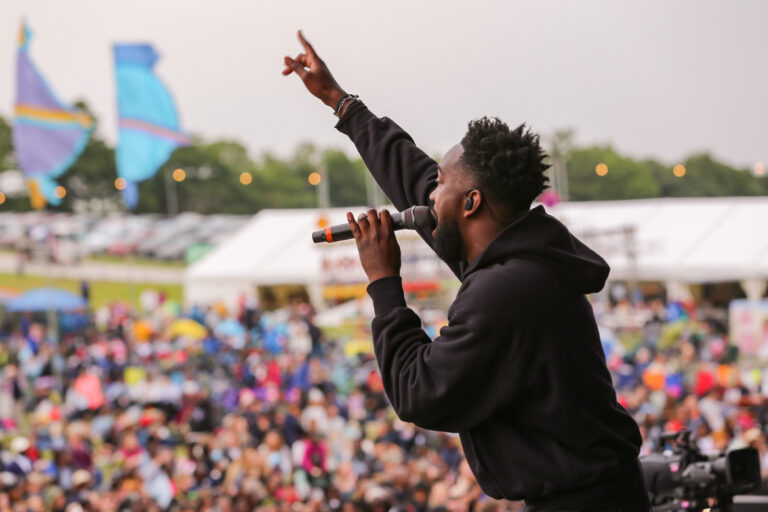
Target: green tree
(706, 177)
(92, 176)
(283, 183)
(7, 160)
(346, 178)
(626, 178)
(213, 177)
(212, 182)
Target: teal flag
(147, 119)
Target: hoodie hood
(539, 237)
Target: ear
(472, 201)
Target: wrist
(387, 294)
(345, 106)
(375, 276)
(333, 97)
(343, 103)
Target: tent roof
(685, 239)
(274, 247)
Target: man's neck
(480, 237)
(480, 234)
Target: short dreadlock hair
(508, 164)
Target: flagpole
(171, 199)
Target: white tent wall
(689, 240)
(273, 248)
(226, 291)
(681, 240)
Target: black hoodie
(519, 370)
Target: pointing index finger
(307, 47)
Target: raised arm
(404, 172)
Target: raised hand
(314, 73)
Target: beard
(448, 244)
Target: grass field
(135, 260)
(122, 260)
(102, 292)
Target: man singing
(519, 370)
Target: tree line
(213, 178)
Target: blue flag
(147, 119)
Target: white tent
(669, 239)
(691, 240)
(275, 248)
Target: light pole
(319, 179)
(323, 190)
(373, 193)
(171, 195)
(561, 145)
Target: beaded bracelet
(343, 101)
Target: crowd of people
(234, 410)
(219, 410)
(675, 368)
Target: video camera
(682, 478)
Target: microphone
(415, 217)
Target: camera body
(682, 478)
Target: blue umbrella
(230, 328)
(46, 299)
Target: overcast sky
(655, 78)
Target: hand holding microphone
(415, 217)
(375, 237)
(376, 243)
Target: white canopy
(668, 239)
(691, 240)
(275, 247)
